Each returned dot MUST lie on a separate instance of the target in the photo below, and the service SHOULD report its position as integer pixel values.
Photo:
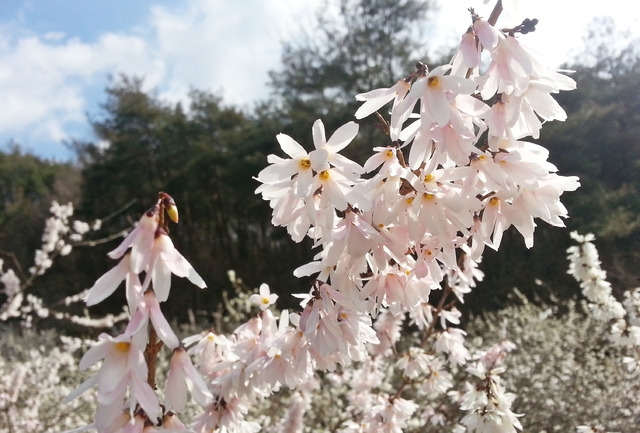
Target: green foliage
(28, 184)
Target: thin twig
(495, 13)
(151, 355)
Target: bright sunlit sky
(56, 55)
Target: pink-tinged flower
(109, 282)
(496, 218)
(265, 298)
(434, 92)
(301, 165)
(387, 157)
(391, 414)
(509, 71)
(226, 416)
(376, 99)
(487, 34)
(149, 308)
(439, 380)
(210, 350)
(413, 362)
(451, 342)
(388, 330)
(182, 377)
(164, 260)
(468, 55)
(124, 366)
(338, 141)
(335, 188)
(352, 238)
(140, 240)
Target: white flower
(183, 376)
(265, 298)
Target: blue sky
(56, 55)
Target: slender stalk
(495, 13)
(436, 316)
(151, 355)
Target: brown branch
(436, 316)
(151, 355)
(120, 210)
(495, 13)
(93, 243)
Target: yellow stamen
(305, 163)
(123, 346)
(324, 175)
(434, 82)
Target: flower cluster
(59, 236)
(584, 265)
(416, 217)
(125, 380)
(398, 238)
(37, 369)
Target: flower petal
(108, 283)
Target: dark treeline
(205, 156)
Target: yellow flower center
(494, 201)
(123, 346)
(389, 153)
(324, 175)
(429, 178)
(434, 82)
(305, 163)
(265, 300)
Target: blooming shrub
(37, 371)
(398, 244)
(565, 370)
(399, 238)
(567, 373)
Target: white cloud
(202, 44)
(217, 45)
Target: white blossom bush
(60, 235)
(37, 370)
(567, 372)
